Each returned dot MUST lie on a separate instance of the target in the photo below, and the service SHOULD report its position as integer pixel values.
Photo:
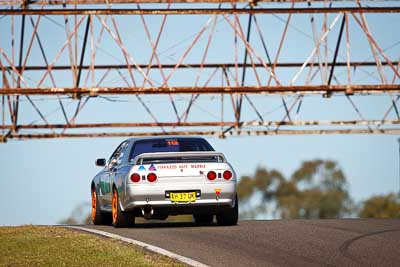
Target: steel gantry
(97, 68)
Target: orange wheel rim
(94, 205)
(114, 206)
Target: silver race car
(160, 176)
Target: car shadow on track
(172, 224)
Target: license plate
(183, 197)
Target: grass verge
(57, 246)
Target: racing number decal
(105, 186)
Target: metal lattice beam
(282, 89)
(102, 2)
(198, 11)
(202, 80)
(204, 133)
(353, 64)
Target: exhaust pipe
(147, 212)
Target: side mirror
(101, 162)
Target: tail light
(227, 175)
(151, 177)
(211, 175)
(135, 178)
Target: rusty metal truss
(98, 68)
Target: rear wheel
(98, 217)
(203, 218)
(119, 217)
(230, 215)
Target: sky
(42, 181)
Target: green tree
(263, 180)
(261, 185)
(318, 189)
(385, 206)
(79, 215)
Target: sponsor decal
(198, 166)
(167, 167)
(217, 191)
(152, 168)
(201, 173)
(142, 168)
(172, 142)
(181, 166)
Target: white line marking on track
(144, 245)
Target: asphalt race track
(352, 242)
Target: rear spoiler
(179, 157)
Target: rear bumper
(139, 196)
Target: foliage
(79, 215)
(318, 189)
(385, 206)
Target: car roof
(134, 139)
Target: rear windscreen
(169, 145)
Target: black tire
(98, 217)
(229, 216)
(120, 218)
(203, 218)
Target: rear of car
(171, 176)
